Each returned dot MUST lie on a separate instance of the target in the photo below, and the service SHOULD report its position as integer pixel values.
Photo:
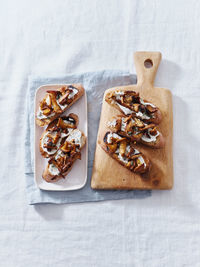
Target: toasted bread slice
(52, 178)
(137, 131)
(55, 133)
(56, 102)
(129, 102)
(62, 162)
(122, 150)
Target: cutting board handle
(146, 64)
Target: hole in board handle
(148, 63)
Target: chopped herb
(129, 133)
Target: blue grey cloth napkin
(95, 83)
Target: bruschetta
(137, 131)
(55, 133)
(62, 162)
(129, 102)
(123, 151)
(56, 102)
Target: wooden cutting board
(107, 172)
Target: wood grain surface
(107, 172)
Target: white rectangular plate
(77, 177)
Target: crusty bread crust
(47, 176)
(160, 142)
(43, 122)
(44, 153)
(157, 114)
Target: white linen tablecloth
(47, 37)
